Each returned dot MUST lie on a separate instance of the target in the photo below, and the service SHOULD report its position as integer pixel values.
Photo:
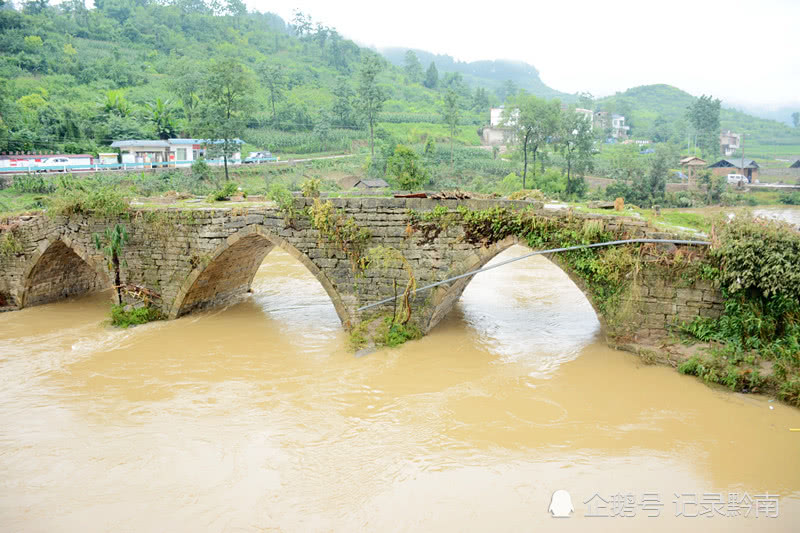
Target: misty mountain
(487, 74)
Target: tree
(796, 119)
(226, 100)
(343, 105)
(274, 80)
(161, 117)
(450, 115)
(586, 100)
(413, 68)
(575, 144)
(186, 84)
(535, 120)
(370, 96)
(626, 162)
(703, 114)
(301, 24)
(115, 103)
(35, 7)
(115, 241)
(405, 167)
(480, 100)
(431, 77)
(507, 90)
(654, 182)
(713, 184)
(322, 129)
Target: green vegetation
(605, 272)
(538, 121)
(310, 188)
(658, 112)
(224, 193)
(113, 241)
(406, 169)
(341, 230)
(125, 316)
(790, 198)
(77, 197)
(754, 262)
(9, 244)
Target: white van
(737, 178)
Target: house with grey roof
(371, 184)
(740, 165)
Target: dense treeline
(73, 79)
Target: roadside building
(108, 158)
(748, 167)
(143, 152)
(170, 152)
(796, 164)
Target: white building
(618, 126)
(170, 152)
(496, 117)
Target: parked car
(259, 157)
(54, 163)
(737, 178)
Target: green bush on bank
(123, 316)
(755, 264)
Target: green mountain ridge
(660, 110)
(61, 66)
(489, 74)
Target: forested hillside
(75, 79)
(658, 112)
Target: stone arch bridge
(195, 258)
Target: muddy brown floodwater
(257, 418)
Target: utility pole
(743, 156)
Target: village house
(729, 142)
(499, 133)
(748, 167)
(371, 184)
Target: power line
(539, 252)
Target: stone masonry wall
(202, 257)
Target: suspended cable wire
(538, 252)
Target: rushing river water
(257, 418)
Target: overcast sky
(745, 52)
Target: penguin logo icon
(561, 504)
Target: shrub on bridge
(108, 202)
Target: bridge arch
(61, 268)
(446, 296)
(229, 271)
